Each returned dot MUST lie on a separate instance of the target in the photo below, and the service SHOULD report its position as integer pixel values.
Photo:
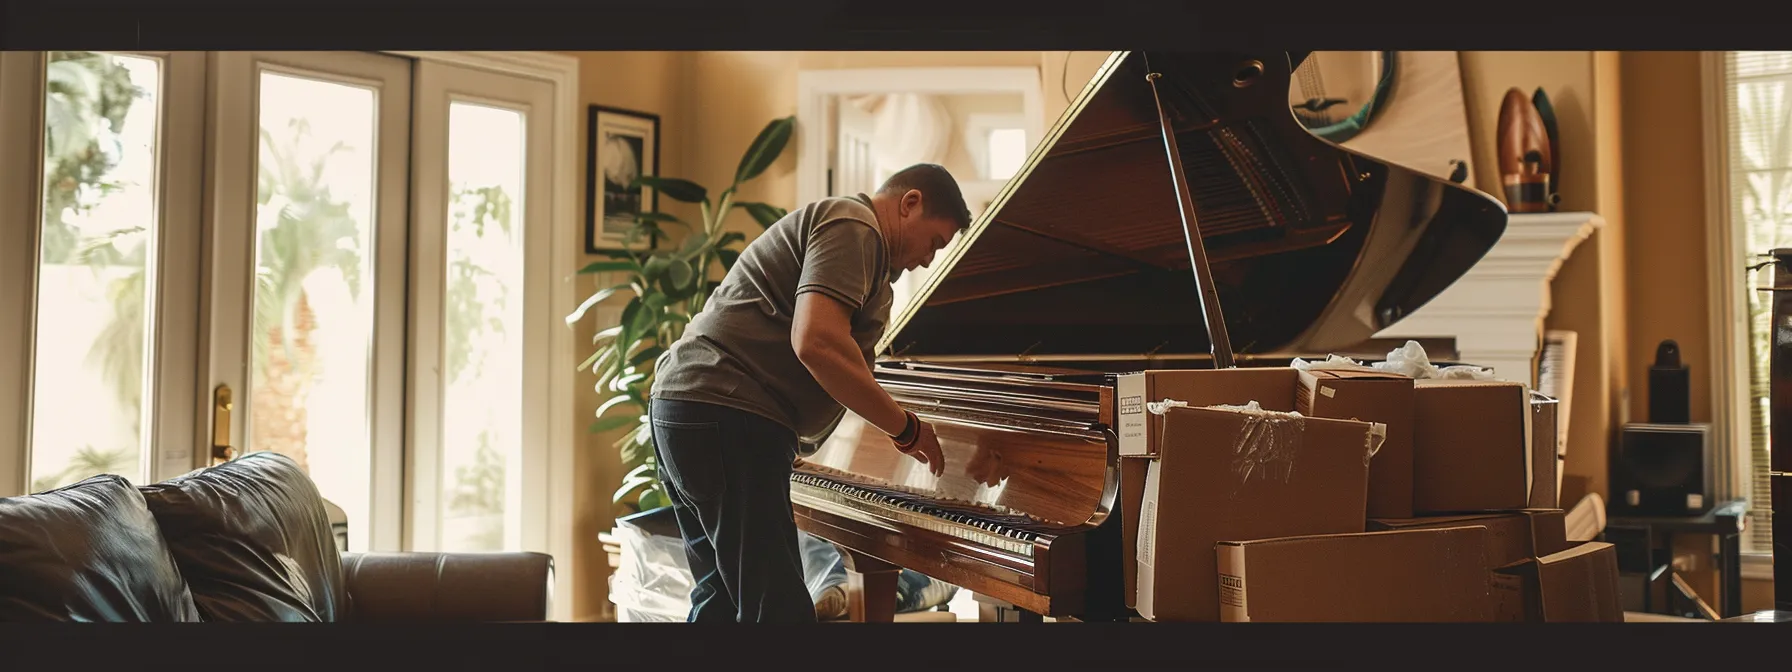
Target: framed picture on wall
(620, 145)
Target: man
(783, 344)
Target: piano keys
(1090, 264)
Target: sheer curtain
(908, 128)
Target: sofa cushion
(90, 551)
(253, 539)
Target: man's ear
(911, 202)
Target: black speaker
(1661, 470)
(1670, 387)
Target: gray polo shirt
(737, 351)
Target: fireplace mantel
(1495, 311)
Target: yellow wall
(648, 82)
(1633, 151)
(1587, 295)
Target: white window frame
(172, 357)
(977, 128)
(556, 524)
(1728, 319)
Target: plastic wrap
(654, 581)
(1410, 360)
(1270, 440)
(1332, 363)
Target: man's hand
(927, 448)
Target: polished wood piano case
(1089, 264)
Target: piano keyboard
(977, 524)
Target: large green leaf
(654, 269)
(643, 471)
(629, 488)
(675, 189)
(590, 360)
(730, 237)
(622, 382)
(727, 257)
(606, 335)
(654, 497)
(765, 214)
(765, 149)
(608, 267)
(656, 217)
(612, 423)
(615, 401)
(605, 358)
(646, 356)
(629, 315)
(679, 274)
(593, 300)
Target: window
(997, 143)
(96, 273)
(360, 246)
(1007, 150)
(1753, 129)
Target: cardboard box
(1228, 474)
(1546, 452)
(1370, 396)
(1472, 447)
(1511, 537)
(1139, 430)
(1578, 585)
(1429, 575)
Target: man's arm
(821, 333)
(839, 272)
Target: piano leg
(870, 587)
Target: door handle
(222, 451)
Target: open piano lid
(1313, 247)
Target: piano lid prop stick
(1191, 230)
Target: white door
(304, 321)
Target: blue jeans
(728, 474)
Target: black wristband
(911, 426)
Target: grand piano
(1177, 215)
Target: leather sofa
(244, 541)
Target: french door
(320, 254)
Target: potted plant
(669, 284)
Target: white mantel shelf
(1495, 311)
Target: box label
(1132, 417)
(1231, 591)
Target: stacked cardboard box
(1347, 495)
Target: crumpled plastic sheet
(1410, 360)
(654, 581)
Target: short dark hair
(940, 196)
